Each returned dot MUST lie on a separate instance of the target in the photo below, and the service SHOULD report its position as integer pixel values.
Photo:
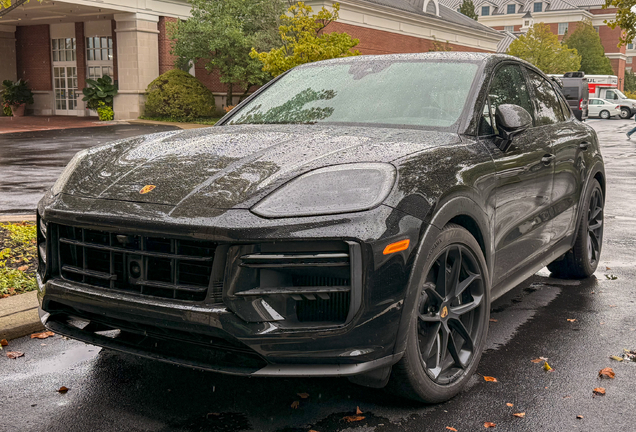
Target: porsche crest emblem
(444, 313)
(146, 189)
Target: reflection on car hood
(234, 166)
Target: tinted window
(548, 108)
(413, 93)
(571, 93)
(507, 87)
(567, 112)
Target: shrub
(16, 93)
(98, 91)
(178, 94)
(105, 112)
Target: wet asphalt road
(30, 162)
(116, 392)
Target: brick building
(57, 44)
(515, 16)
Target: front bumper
(219, 336)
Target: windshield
(412, 93)
(620, 94)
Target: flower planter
(18, 110)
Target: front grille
(154, 266)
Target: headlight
(331, 190)
(66, 174)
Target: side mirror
(511, 120)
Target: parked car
(354, 217)
(603, 109)
(576, 91)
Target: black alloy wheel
(449, 320)
(595, 226)
(450, 314)
(581, 261)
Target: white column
(137, 61)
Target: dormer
(485, 8)
(539, 6)
(431, 7)
(526, 22)
(512, 7)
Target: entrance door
(64, 76)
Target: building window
(95, 72)
(538, 7)
(563, 28)
(597, 28)
(526, 23)
(509, 28)
(63, 49)
(511, 9)
(630, 46)
(629, 60)
(99, 48)
(485, 10)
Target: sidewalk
(39, 123)
(19, 315)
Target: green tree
(468, 8)
(542, 48)
(630, 82)
(625, 19)
(303, 40)
(222, 33)
(587, 43)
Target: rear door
(523, 185)
(594, 107)
(567, 139)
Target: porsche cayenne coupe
(354, 217)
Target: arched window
(430, 8)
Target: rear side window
(548, 108)
(507, 87)
(567, 112)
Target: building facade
(516, 16)
(57, 44)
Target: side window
(548, 107)
(567, 112)
(507, 87)
(610, 95)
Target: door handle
(584, 145)
(547, 159)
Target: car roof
(435, 55)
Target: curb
(19, 316)
(18, 218)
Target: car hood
(233, 166)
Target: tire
(581, 261)
(450, 304)
(604, 114)
(626, 113)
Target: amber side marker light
(397, 247)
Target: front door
(524, 179)
(64, 76)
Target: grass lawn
(201, 120)
(18, 258)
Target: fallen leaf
(571, 319)
(489, 425)
(490, 379)
(42, 335)
(606, 373)
(62, 390)
(353, 418)
(546, 367)
(303, 395)
(23, 268)
(4, 342)
(567, 397)
(520, 415)
(612, 305)
(617, 358)
(493, 320)
(602, 323)
(14, 354)
(607, 268)
(599, 391)
(579, 417)
(295, 404)
(451, 428)
(537, 360)
(358, 411)
(311, 430)
(510, 405)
